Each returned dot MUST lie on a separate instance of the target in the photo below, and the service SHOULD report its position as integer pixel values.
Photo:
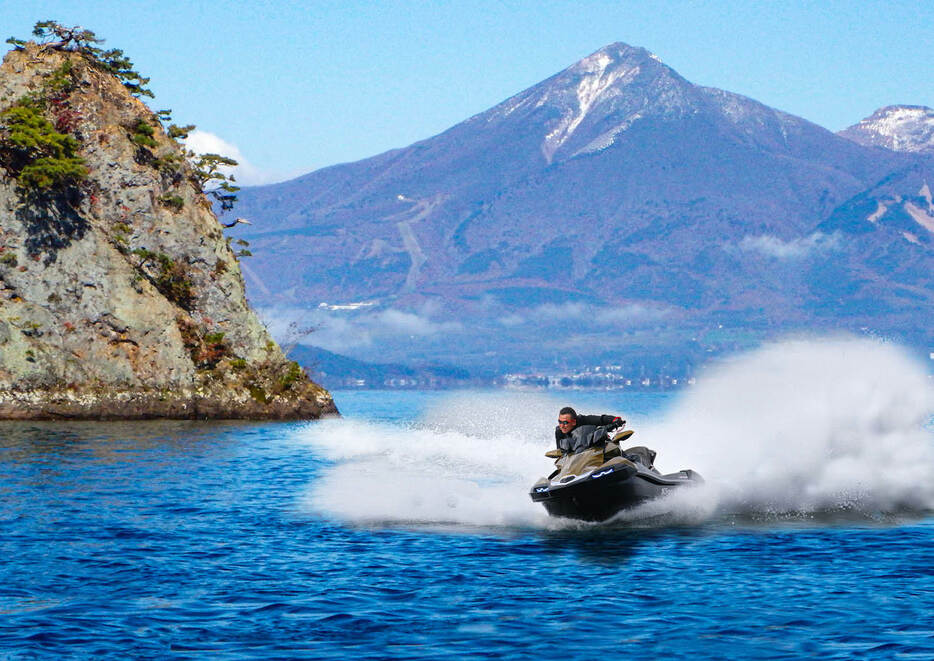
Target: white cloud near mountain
(413, 324)
(772, 246)
(634, 314)
(352, 331)
(343, 331)
(245, 173)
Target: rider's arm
(611, 421)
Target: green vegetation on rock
(171, 279)
(39, 156)
(208, 173)
(293, 374)
(142, 134)
(173, 202)
(61, 81)
(207, 349)
(179, 132)
(54, 35)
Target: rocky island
(120, 296)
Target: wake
(796, 429)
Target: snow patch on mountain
(607, 138)
(920, 216)
(899, 128)
(878, 213)
(597, 79)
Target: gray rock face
(899, 128)
(122, 298)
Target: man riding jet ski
(568, 420)
(595, 477)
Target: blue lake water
(404, 531)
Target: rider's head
(567, 419)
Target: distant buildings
(601, 377)
(609, 377)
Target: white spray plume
(796, 426)
(385, 473)
(807, 425)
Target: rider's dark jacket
(582, 420)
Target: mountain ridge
(902, 128)
(622, 158)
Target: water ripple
(184, 540)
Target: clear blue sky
(300, 85)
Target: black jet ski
(597, 478)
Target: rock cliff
(120, 296)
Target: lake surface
(404, 530)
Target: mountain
(119, 294)
(899, 128)
(335, 371)
(615, 184)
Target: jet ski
(594, 482)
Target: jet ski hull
(603, 492)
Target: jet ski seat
(641, 454)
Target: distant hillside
(615, 183)
(335, 371)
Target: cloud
(562, 314)
(510, 320)
(772, 246)
(553, 311)
(246, 174)
(635, 313)
(347, 331)
(397, 321)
